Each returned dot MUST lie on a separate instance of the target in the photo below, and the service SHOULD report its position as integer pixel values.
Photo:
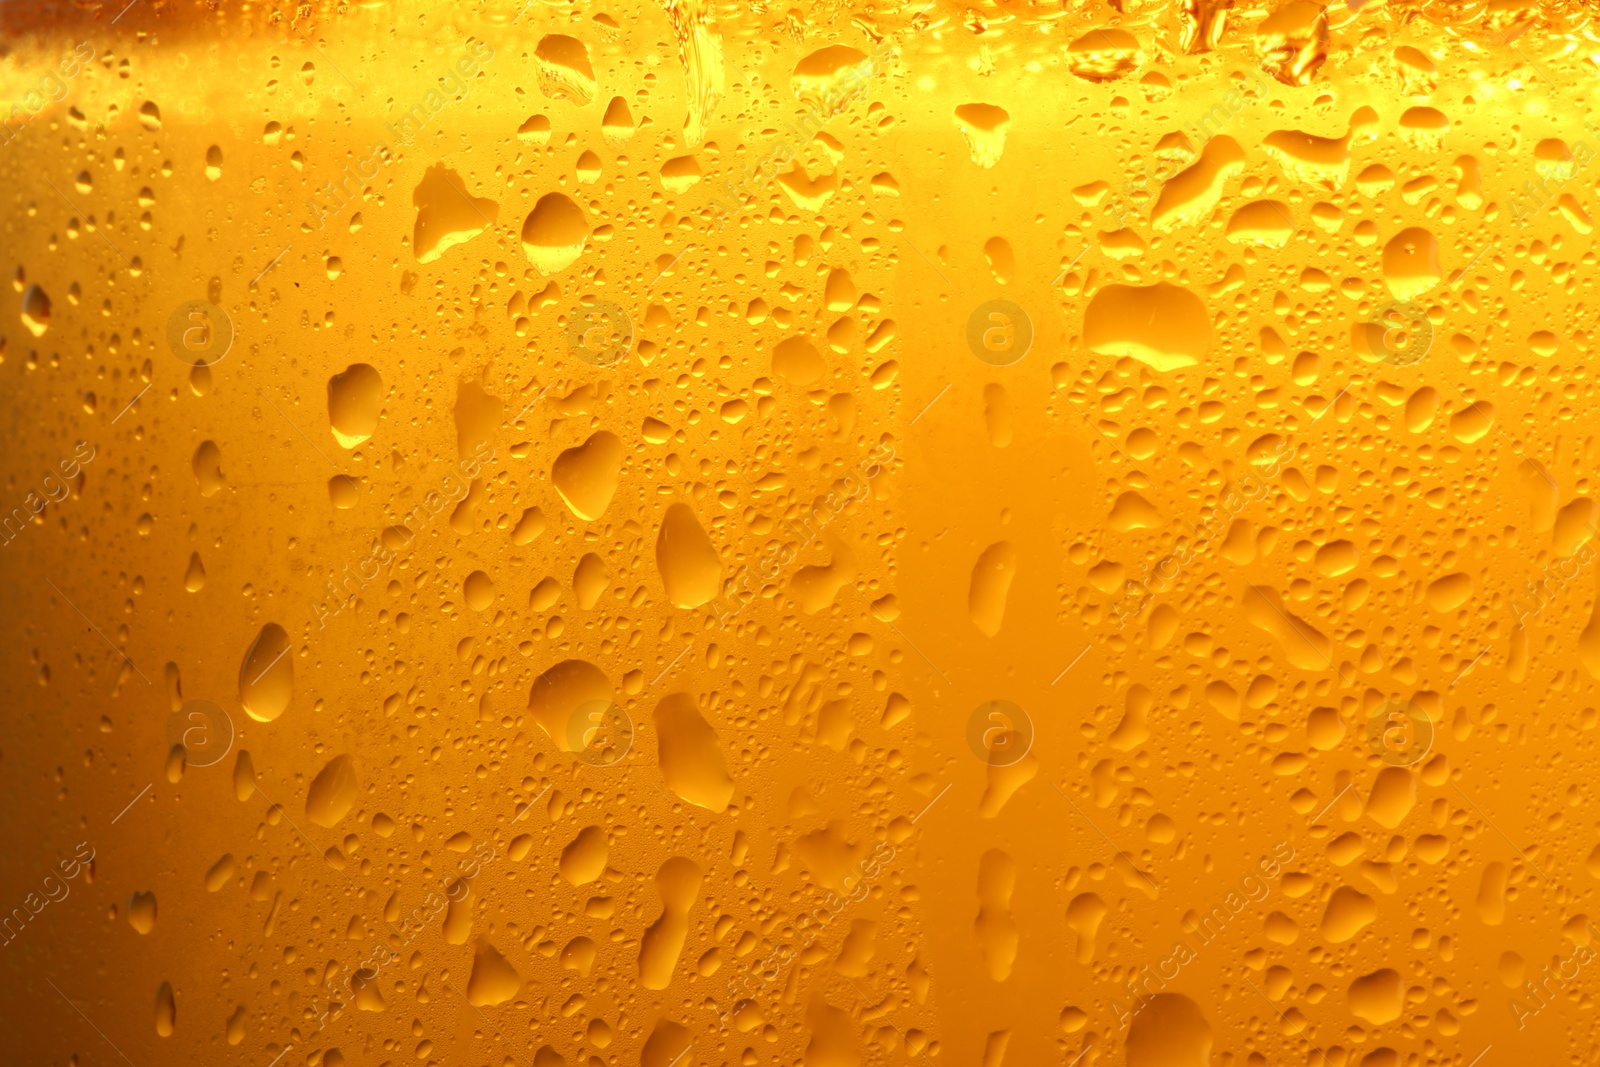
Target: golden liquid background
(954, 493)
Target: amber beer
(798, 535)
